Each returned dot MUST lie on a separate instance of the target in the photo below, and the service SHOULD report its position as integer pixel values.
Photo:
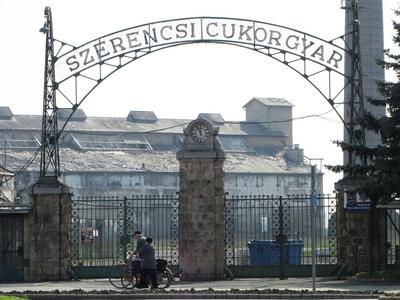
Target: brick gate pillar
(353, 228)
(201, 200)
(47, 233)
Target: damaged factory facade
(136, 154)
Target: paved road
(296, 284)
(236, 287)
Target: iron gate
(264, 235)
(11, 247)
(273, 235)
(101, 228)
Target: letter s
(73, 63)
(181, 30)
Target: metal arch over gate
(74, 72)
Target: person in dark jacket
(137, 242)
(147, 254)
(140, 241)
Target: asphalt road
(241, 288)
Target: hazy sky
(182, 81)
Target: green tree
(379, 167)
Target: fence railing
(101, 227)
(257, 227)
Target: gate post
(201, 215)
(354, 227)
(47, 233)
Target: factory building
(136, 154)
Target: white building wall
(126, 184)
(258, 112)
(274, 184)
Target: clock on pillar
(201, 135)
(201, 203)
(200, 132)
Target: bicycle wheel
(164, 278)
(128, 280)
(114, 276)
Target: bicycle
(114, 274)
(131, 274)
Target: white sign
(354, 201)
(205, 29)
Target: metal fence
(393, 234)
(101, 228)
(258, 226)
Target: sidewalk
(242, 286)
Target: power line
(25, 166)
(287, 120)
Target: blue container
(293, 251)
(263, 252)
(266, 252)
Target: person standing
(147, 254)
(140, 241)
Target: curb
(200, 296)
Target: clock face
(200, 132)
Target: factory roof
(125, 161)
(33, 123)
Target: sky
(179, 82)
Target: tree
(379, 167)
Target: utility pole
(313, 212)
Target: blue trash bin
(293, 251)
(266, 252)
(263, 252)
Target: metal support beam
(49, 160)
(356, 101)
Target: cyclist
(147, 255)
